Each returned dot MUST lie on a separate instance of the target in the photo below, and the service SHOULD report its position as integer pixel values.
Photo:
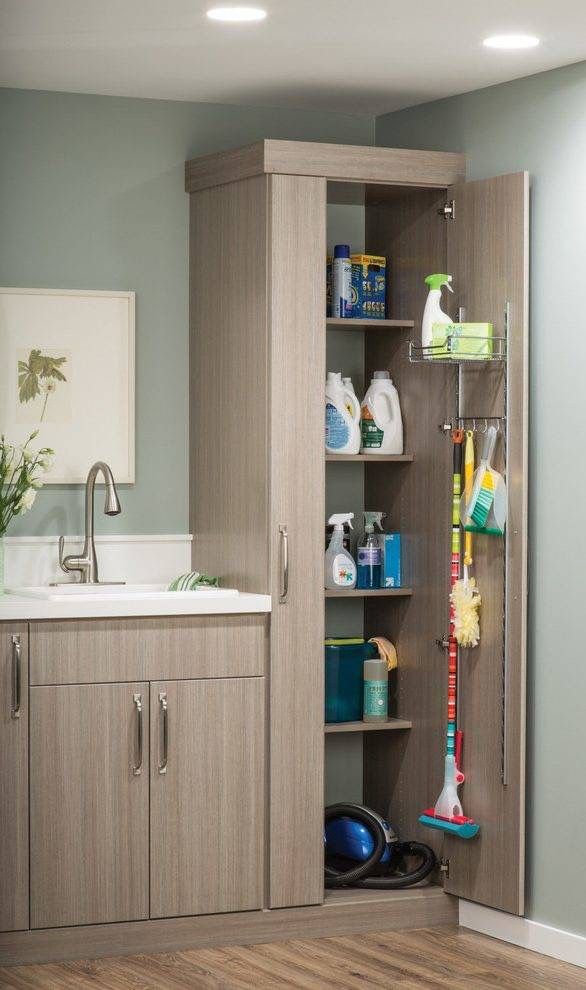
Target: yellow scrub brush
(465, 596)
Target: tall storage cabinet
(257, 469)
(258, 333)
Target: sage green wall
(539, 124)
(91, 197)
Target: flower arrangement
(21, 475)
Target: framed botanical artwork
(67, 369)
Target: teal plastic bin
(344, 680)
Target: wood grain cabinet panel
(13, 777)
(207, 796)
(89, 808)
(297, 318)
(488, 255)
(146, 649)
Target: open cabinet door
(488, 258)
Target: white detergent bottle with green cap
(433, 312)
(342, 417)
(340, 568)
(382, 424)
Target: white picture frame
(67, 368)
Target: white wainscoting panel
(151, 559)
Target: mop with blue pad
(448, 815)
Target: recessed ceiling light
(236, 14)
(511, 41)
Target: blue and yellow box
(369, 286)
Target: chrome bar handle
(165, 717)
(284, 557)
(16, 677)
(137, 768)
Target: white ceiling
(366, 56)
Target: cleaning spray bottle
(340, 568)
(433, 312)
(370, 552)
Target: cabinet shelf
(350, 323)
(388, 726)
(371, 593)
(371, 458)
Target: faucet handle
(61, 555)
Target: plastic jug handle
(387, 398)
(354, 403)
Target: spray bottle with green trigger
(433, 312)
(370, 552)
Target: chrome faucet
(87, 563)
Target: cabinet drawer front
(148, 649)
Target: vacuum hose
(360, 875)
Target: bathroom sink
(118, 592)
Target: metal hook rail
(471, 422)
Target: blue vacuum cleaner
(363, 850)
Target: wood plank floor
(435, 959)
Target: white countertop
(20, 608)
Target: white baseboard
(528, 934)
(150, 559)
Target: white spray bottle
(433, 312)
(340, 568)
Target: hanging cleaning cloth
(386, 651)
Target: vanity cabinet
(89, 804)
(14, 907)
(147, 796)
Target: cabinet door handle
(165, 731)
(284, 551)
(137, 768)
(16, 677)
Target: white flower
(46, 461)
(37, 483)
(27, 500)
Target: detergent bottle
(370, 553)
(433, 312)
(340, 568)
(382, 425)
(342, 417)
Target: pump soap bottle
(340, 568)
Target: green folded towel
(192, 581)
